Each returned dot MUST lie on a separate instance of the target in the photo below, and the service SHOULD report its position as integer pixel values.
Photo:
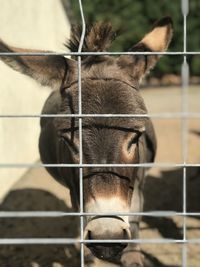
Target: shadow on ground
(167, 189)
(35, 255)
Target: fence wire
(184, 115)
(185, 84)
(80, 133)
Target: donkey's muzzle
(105, 228)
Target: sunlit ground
(163, 191)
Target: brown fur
(109, 86)
(98, 38)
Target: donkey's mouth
(106, 251)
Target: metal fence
(184, 115)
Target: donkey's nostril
(127, 233)
(89, 235)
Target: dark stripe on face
(106, 172)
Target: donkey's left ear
(157, 40)
(46, 70)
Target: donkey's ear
(47, 70)
(157, 40)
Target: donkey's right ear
(47, 70)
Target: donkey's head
(109, 86)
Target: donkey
(109, 85)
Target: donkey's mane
(98, 37)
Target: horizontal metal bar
(48, 214)
(168, 115)
(38, 241)
(142, 165)
(69, 241)
(175, 53)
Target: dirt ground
(37, 191)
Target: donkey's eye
(133, 141)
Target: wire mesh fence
(184, 115)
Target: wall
(37, 24)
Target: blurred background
(46, 25)
(134, 18)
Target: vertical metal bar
(184, 255)
(185, 11)
(185, 82)
(80, 133)
(184, 203)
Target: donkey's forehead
(103, 68)
(108, 69)
(102, 96)
(109, 96)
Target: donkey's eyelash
(134, 140)
(70, 143)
